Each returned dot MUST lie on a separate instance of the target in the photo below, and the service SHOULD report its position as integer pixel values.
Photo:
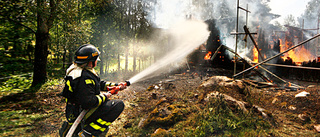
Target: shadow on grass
(35, 111)
(19, 101)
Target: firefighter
(82, 91)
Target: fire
(298, 55)
(255, 55)
(208, 55)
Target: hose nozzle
(128, 83)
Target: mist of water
(186, 36)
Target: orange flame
(208, 55)
(255, 55)
(298, 55)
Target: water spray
(187, 36)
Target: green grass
(15, 84)
(24, 109)
(218, 119)
(18, 122)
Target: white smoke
(168, 12)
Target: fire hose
(86, 113)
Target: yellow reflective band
(82, 57)
(99, 99)
(103, 98)
(102, 122)
(102, 129)
(68, 84)
(110, 84)
(95, 126)
(108, 123)
(89, 81)
(95, 54)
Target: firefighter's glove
(108, 94)
(122, 87)
(116, 89)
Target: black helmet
(86, 53)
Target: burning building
(201, 57)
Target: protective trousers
(105, 114)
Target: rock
(274, 100)
(304, 117)
(302, 94)
(317, 127)
(215, 80)
(222, 81)
(292, 107)
(156, 87)
(158, 132)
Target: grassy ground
(32, 112)
(155, 108)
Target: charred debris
(214, 58)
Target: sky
(169, 11)
(287, 7)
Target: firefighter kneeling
(82, 91)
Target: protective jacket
(82, 90)
(83, 87)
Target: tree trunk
(102, 59)
(139, 64)
(126, 58)
(64, 57)
(106, 70)
(45, 18)
(134, 60)
(119, 67)
(41, 53)
(120, 35)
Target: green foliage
(15, 84)
(218, 119)
(106, 24)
